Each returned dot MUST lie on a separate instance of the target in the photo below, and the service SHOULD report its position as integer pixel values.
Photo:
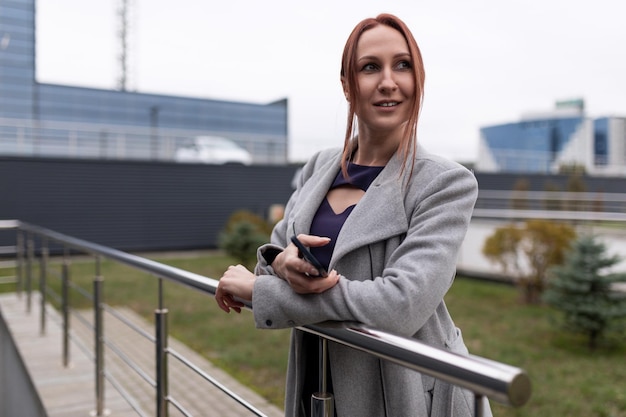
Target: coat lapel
(312, 194)
(379, 215)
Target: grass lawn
(567, 379)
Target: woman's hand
(301, 275)
(237, 281)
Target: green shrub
(528, 251)
(242, 235)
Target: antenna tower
(123, 33)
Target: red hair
(349, 70)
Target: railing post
(30, 248)
(43, 265)
(479, 407)
(99, 338)
(19, 268)
(65, 307)
(322, 402)
(160, 316)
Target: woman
(387, 219)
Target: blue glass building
(56, 120)
(547, 142)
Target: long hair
(349, 71)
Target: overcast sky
(487, 61)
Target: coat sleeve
(414, 280)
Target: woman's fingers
(237, 281)
(312, 240)
(227, 302)
(303, 284)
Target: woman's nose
(387, 81)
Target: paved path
(70, 392)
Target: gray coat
(397, 254)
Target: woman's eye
(368, 67)
(404, 65)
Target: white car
(213, 150)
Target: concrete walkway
(70, 391)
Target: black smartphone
(308, 256)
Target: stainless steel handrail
(500, 382)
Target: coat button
(268, 322)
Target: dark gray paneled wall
(136, 206)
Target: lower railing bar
(179, 407)
(118, 387)
(82, 320)
(52, 294)
(52, 315)
(129, 323)
(55, 267)
(88, 351)
(85, 322)
(8, 279)
(81, 291)
(120, 354)
(129, 399)
(90, 355)
(53, 273)
(79, 343)
(215, 383)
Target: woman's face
(385, 79)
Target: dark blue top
(328, 223)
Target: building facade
(39, 119)
(551, 141)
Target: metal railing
(48, 138)
(485, 378)
(574, 206)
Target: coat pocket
(456, 344)
(449, 400)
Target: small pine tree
(586, 295)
